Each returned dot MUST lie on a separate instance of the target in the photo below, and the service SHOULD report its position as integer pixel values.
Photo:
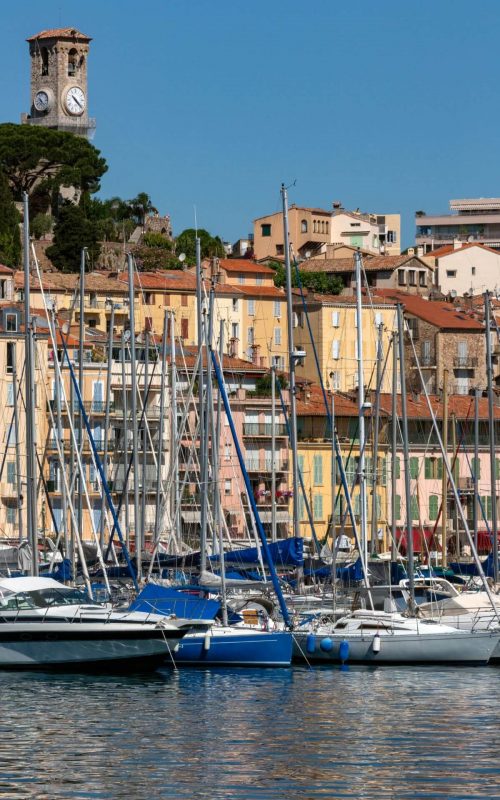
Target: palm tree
(141, 206)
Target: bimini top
(29, 584)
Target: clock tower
(59, 81)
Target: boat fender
(376, 643)
(206, 641)
(344, 650)
(326, 645)
(310, 643)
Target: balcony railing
(464, 362)
(263, 429)
(424, 361)
(265, 465)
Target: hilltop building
(470, 220)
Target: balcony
(262, 465)
(464, 362)
(424, 361)
(263, 429)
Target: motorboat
(378, 637)
(234, 645)
(45, 624)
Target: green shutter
(428, 468)
(398, 467)
(413, 467)
(318, 470)
(398, 506)
(433, 506)
(383, 470)
(301, 464)
(414, 508)
(318, 506)
(302, 508)
(476, 468)
(497, 468)
(440, 469)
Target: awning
(191, 516)
(281, 516)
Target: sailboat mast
(394, 448)
(133, 401)
(201, 412)
(291, 365)
(376, 422)
(406, 457)
(19, 490)
(81, 334)
(30, 396)
(491, 420)
(361, 413)
(476, 467)
(161, 427)
(444, 483)
(106, 420)
(273, 453)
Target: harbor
(249, 431)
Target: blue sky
(388, 106)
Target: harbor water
(243, 734)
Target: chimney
(457, 244)
(420, 251)
(411, 251)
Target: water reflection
(239, 735)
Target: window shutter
(440, 468)
(414, 508)
(398, 506)
(428, 468)
(10, 394)
(433, 507)
(335, 348)
(335, 319)
(413, 467)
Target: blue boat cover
(164, 600)
(286, 552)
(471, 569)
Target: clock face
(41, 101)
(75, 100)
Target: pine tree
(10, 238)
(72, 232)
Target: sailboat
(366, 636)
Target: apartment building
(465, 269)
(408, 271)
(440, 336)
(469, 220)
(333, 324)
(312, 230)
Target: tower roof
(60, 33)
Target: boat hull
(410, 648)
(235, 647)
(84, 646)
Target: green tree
(153, 258)
(153, 239)
(211, 246)
(141, 206)
(40, 225)
(72, 232)
(318, 282)
(34, 157)
(10, 238)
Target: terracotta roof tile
(243, 265)
(462, 406)
(372, 264)
(59, 33)
(448, 249)
(442, 315)
(262, 291)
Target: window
(318, 470)
(401, 277)
(11, 515)
(314, 226)
(433, 468)
(336, 349)
(303, 226)
(265, 229)
(10, 357)
(277, 308)
(277, 336)
(184, 301)
(451, 273)
(318, 506)
(251, 308)
(473, 270)
(414, 512)
(335, 376)
(72, 62)
(235, 330)
(44, 56)
(11, 322)
(149, 298)
(422, 280)
(241, 279)
(392, 237)
(433, 506)
(227, 450)
(235, 304)
(302, 508)
(227, 487)
(335, 319)
(10, 394)
(280, 250)
(411, 276)
(184, 328)
(11, 435)
(11, 472)
(413, 467)
(259, 280)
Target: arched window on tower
(44, 56)
(72, 62)
(303, 226)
